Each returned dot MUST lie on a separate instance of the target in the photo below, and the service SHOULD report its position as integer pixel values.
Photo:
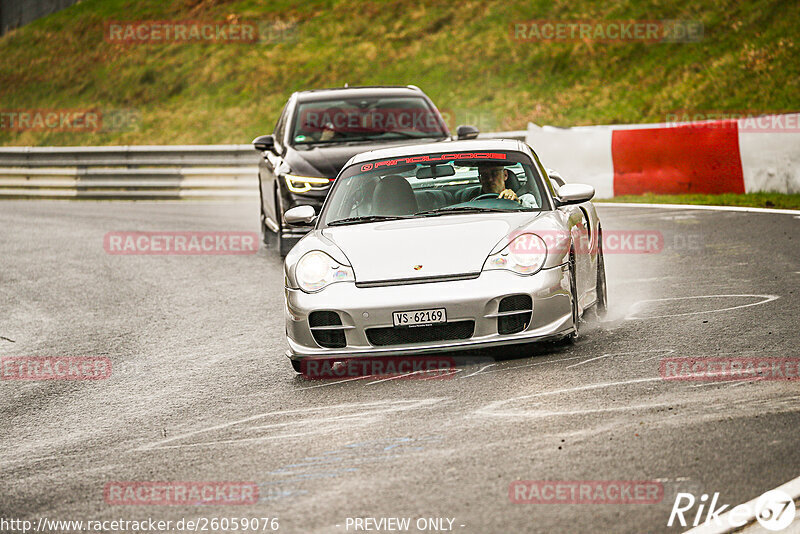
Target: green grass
(461, 53)
(753, 200)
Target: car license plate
(418, 317)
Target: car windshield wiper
(463, 209)
(367, 218)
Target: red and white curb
(710, 157)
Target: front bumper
(476, 299)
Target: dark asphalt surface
(201, 390)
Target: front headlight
(525, 254)
(301, 184)
(316, 271)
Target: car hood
(424, 247)
(328, 160)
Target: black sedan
(319, 130)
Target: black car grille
(519, 309)
(329, 338)
(420, 334)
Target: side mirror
(264, 142)
(575, 193)
(300, 215)
(466, 131)
(556, 177)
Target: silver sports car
(440, 247)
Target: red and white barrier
(731, 156)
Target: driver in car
(493, 180)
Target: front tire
(283, 245)
(262, 217)
(265, 232)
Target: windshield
(435, 185)
(363, 119)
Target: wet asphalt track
(201, 390)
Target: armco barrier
(716, 157)
(129, 172)
(137, 172)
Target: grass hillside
(461, 53)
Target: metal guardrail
(137, 172)
(129, 172)
(139, 155)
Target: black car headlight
(302, 184)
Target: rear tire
(296, 365)
(600, 307)
(573, 289)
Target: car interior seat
(393, 196)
